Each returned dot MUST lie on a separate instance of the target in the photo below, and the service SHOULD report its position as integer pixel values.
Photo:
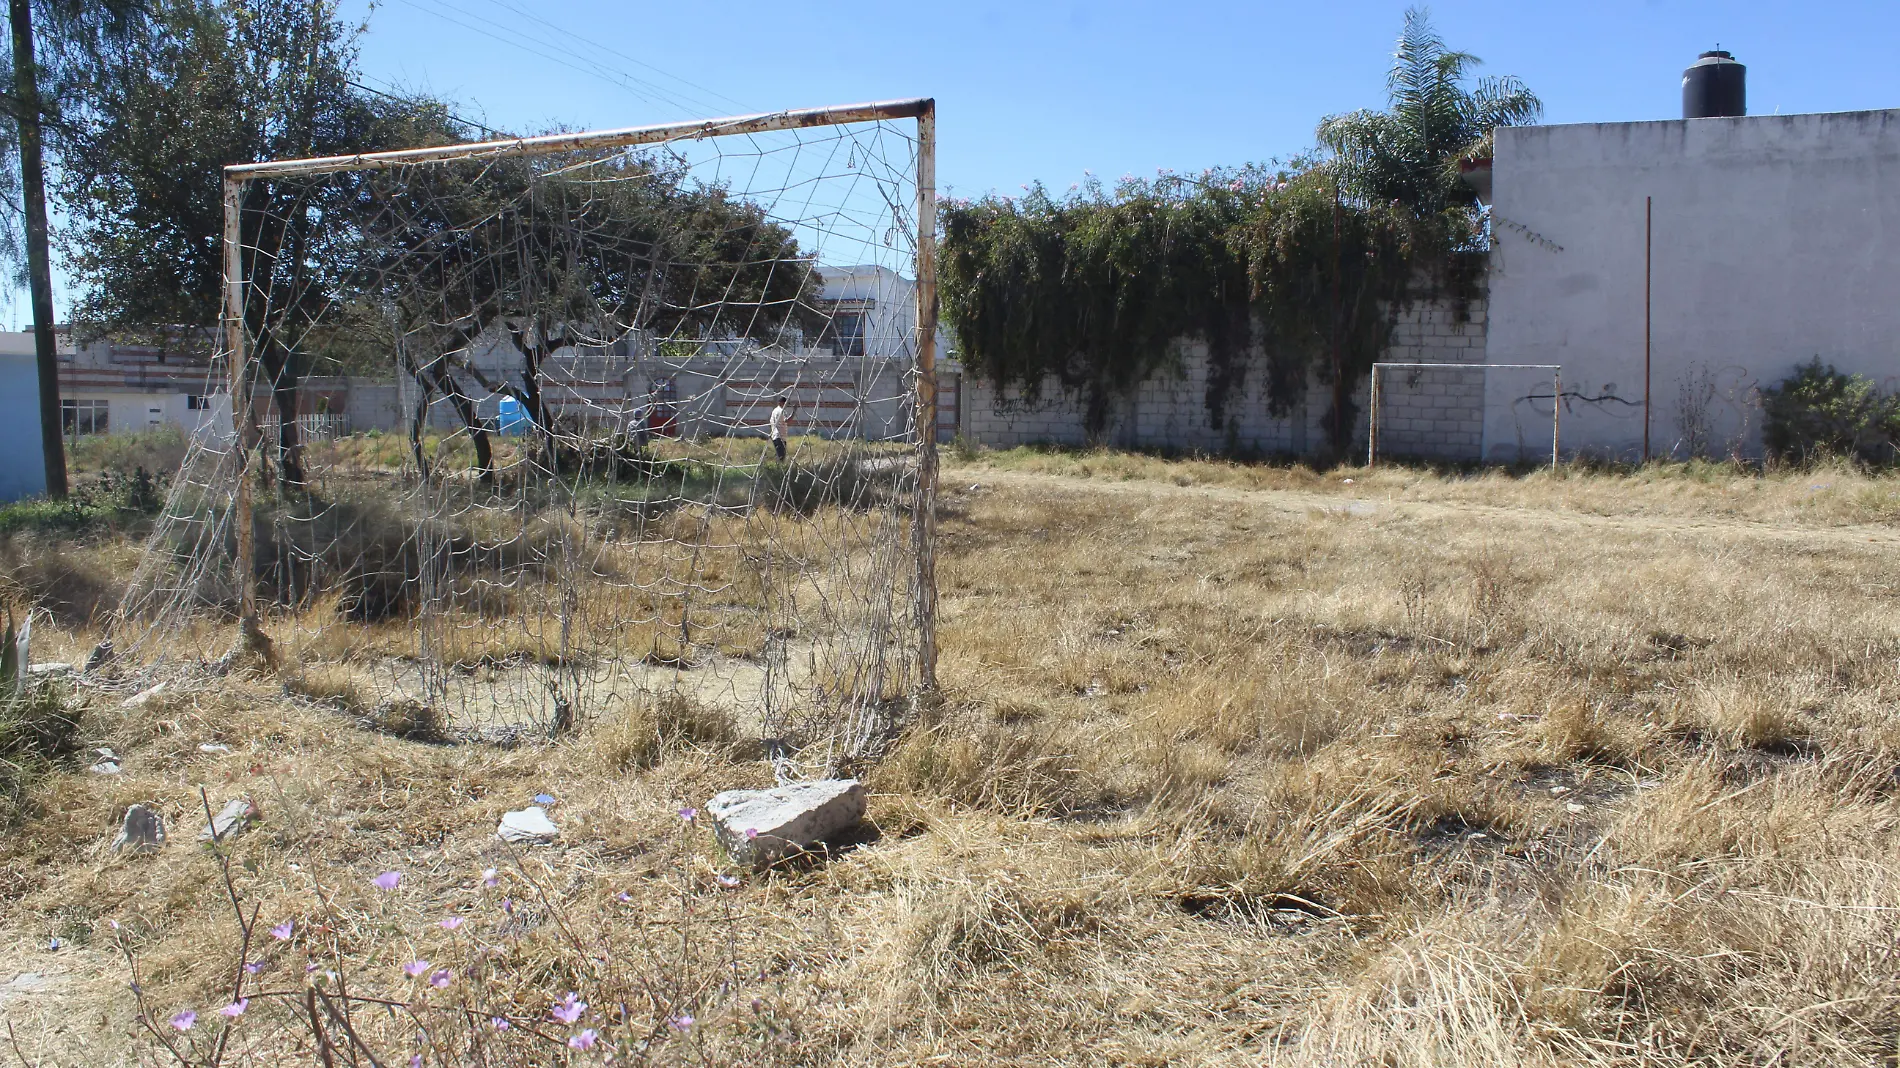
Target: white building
(1774, 239)
(111, 388)
(850, 376)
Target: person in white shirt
(779, 416)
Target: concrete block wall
(1428, 413)
(1169, 411)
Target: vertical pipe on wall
(926, 506)
(1647, 229)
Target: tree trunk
(465, 410)
(26, 80)
(284, 391)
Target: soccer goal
(1439, 410)
(632, 420)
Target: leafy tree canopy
(1304, 264)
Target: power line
(413, 100)
(636, 61)
(652, 94)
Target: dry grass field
(1236, 765)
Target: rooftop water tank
(1714, 86)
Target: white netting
(514, 420)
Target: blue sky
(1044, 90)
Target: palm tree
(1410, 152)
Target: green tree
(558, 250)
(1436, 117)
(222, 82)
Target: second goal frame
(247, 431)
(1372, 401)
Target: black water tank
(1715, 86)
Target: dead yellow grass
(1235, 766)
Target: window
(846, 332)
(197, 403)
(78, 417)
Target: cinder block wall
(1438, 417)
(1428, 413)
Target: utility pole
(1342, 434)
(1648, 229)
(26, 81)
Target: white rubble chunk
(142, 832)
(108, 762)
(50, 668)
(232, 818)
(530, 824)
(759, 827)
(139, 699)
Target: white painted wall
(1776, 239)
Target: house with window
(108, 387)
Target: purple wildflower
(624, 898)
(584, 1040)
(253, 967)
(568, 1009)
(236, 1008)
(499, 1023)
(415, 968)
(688, 814)
(681, 1022)
(490, 879)
(282, 931)
(727, 881)
(184, 1020)
(441, 978)
(751, 832)
(387, 880)
(451, 923)
(415, 1060)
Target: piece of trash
(527, 825)
(1573, 808)
(230, 820)
(544, 799)
(138, 700)
(1345, 481)
(108, 762)
(1558, 791)
(213, 747)
(142, 832)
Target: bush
(90, 506)
(1819, 411)
(35, 727)
(160, 450)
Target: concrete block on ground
(760, 827)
